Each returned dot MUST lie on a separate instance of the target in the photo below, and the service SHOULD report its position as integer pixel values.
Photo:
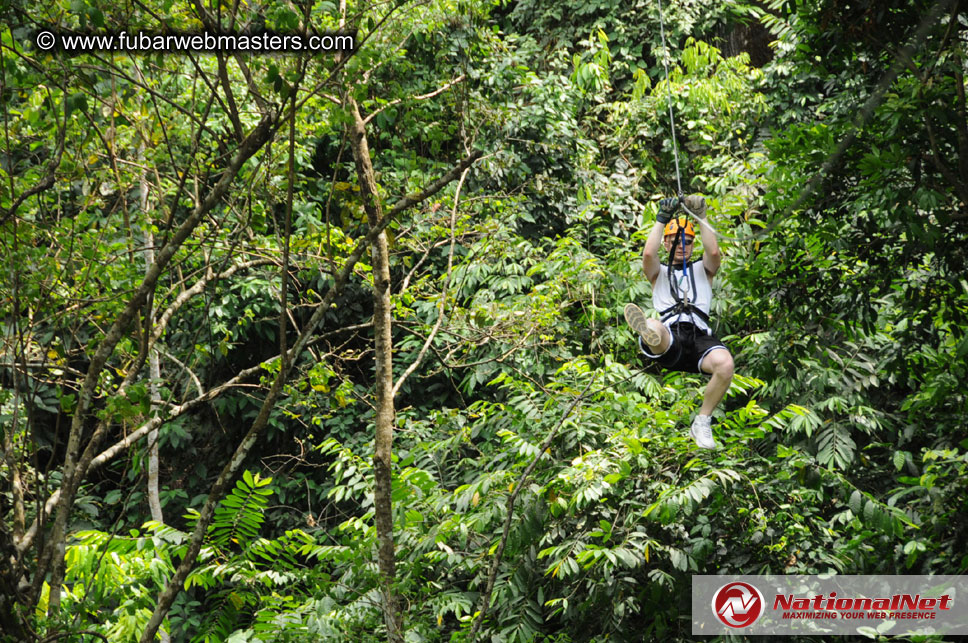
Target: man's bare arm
(711, 257)
(650, 256)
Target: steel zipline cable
(672, 118)
(672, 121)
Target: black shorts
(689, 346)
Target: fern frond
(239, 516)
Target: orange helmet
(680, 222)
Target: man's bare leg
(719, 364)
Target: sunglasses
(687, 242)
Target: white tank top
(702, 299)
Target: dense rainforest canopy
(328, 345)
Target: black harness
(682, 307)
(679, 309)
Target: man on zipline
(681, 340)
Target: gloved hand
(696, 204)
(667, 208)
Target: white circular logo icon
(738, 604)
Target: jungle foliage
(211, 213)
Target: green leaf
(855, 502)
(900, 457)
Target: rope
(702, 221)
(672, 118)
(681, 237)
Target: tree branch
(199, 287)
(432, 189)
(863, 115)
(132, 438)
(233, 110)
(443, 296)
(942, 167)
(397, 101)
(45, 183)
(961, 125)
(49, 172)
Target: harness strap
(682, 307)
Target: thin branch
(342, 60)
(214, 92)
(197, 288)
(345, 329)
(45, 183)
(54, 637)
(500, 358)
(420, 262)
(191, 374)
(397, 101)
(111, 70)
(435, 187)
(284, 268)
(253, 90)
(443, 295)
(233, 110)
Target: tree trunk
(383, 345)
(10, 624)
(154, 368)
(154, 500)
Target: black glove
(667, 208)
(697, 205)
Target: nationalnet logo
(738, 604)
(792, 605)
(898, 606)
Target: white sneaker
(702, 432)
